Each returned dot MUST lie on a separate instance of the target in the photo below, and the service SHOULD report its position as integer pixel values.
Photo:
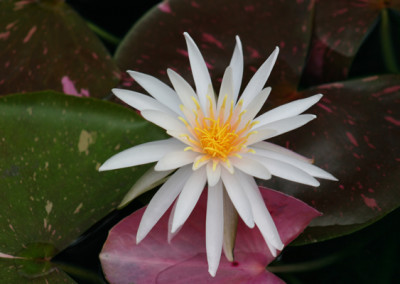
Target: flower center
(218, 140)
(217, 134)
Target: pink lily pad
(184, 259)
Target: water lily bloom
(218, 141)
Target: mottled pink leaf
(46, 45)
(340, 29)
(355, 137)
(262, 25)
(184, 260)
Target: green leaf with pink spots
(46, 45)
(51, 146)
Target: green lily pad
(46, 45)
(51, 147)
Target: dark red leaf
(156, 42)
(46, 45)
(356, 138)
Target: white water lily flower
(217, 141)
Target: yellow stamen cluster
(215, 136)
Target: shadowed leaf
(356, 138)
(340, 28)
(213, 25)
(46, 45)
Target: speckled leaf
(184, 259)
(156, 42)
(51, 146)
(46, 45)
(355, 137)
(340, 29)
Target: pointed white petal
(226, 90)
(281, 150)
(288, 110)
(197, 165)
(183, 89)
(161, 201)
(199, 69)
(251, 167)
(262, 217)
(140, 101)
(230, 226)
(157, 89)
(213, 176)
(211, 105)
(214, 227)
(228, 166)
(285, 125)
(259, 79)
(149, 180)
(286, 171)
(254, 107)
(175, 159)
(238, 197)
(170, 219)
(237, 68)
(259, 135)
(188, 198)
(141, 154)
(305, 166)
(164, 120)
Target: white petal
(228, 166)
(259, 79)
(197, 165)
(176, 159)
(183, 89)
(164, 120)
(161, 201)
(288, 110)
(199, 69)
(214, 227)
(213, 176)
(287, 124)
(281, 150)
(238, 197)
(262, 217)
(251, 167)
(230, 226)
(305, 166)
(254, 107)
(170, 219)
(259, 135)
(188, 198)
(237, 68)
(140, 101)
(286, 171)
(226, 90)
(141, 154)
(157, 89)
(149, 180)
